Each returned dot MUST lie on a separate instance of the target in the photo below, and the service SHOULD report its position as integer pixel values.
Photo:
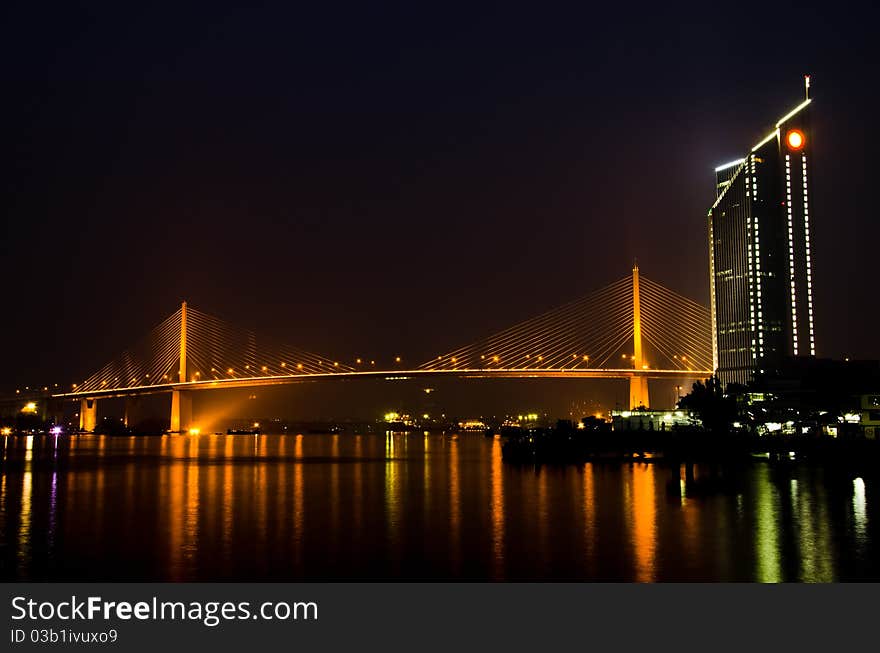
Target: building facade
(760, 256)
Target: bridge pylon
(88, 414)
(181, 400)
(638, 383)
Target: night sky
(375, 179)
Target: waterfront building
(760, 255)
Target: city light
(795, 139)
(6, 430)
(729, 165)
(30, 408)
(194, 431)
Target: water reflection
(589, 508)
(643, 514)
(454, 509)
(497, 483)
(24, 525)
(393, 499)
(279, 507)
(298, 503)
(767, 544)
(860, 511)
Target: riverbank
(563, 445)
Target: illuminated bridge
(632, 329)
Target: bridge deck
(392, 375)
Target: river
(413, 507)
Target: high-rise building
(760, 260)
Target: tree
(714, 408)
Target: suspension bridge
(633, 329)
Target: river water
(413, 506)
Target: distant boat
(253, 431)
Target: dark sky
(381, 178)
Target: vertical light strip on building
(809, 261)
(750, 259)
(712, 289)
(760, 326)
(794, 333)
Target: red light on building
(795, 139)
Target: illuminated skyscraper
(760, 260)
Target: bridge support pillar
(638, 384)
(130, 408)
(88, 414)
(181, 411)
(638, 392)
